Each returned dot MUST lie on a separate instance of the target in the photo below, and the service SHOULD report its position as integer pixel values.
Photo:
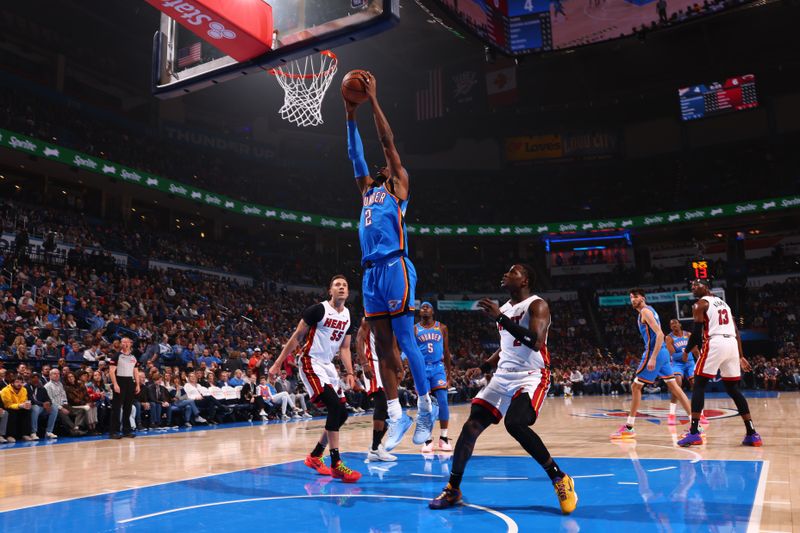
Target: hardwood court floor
(38, 474)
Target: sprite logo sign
(173, 189)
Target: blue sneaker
(424, 429)
(691, 439)
(396, 430)
(752, 440)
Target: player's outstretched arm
(347, 360)
(362, 337)
(399, 176)
(355, 149)
(446, 357)
(288, 348)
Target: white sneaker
(26, 438)
(187, 425)
(427, 447)
(295, 416)
(306, 415)
(262, 413)
(11, 440)
(3, 440)
(380, 455)
(284, 417)
(264, 418)
(445, 446)
(34, 436)
(200, 419)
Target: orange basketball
(354, 86)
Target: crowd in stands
(285, 184)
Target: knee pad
(381, 411)
(343, 414)
(330, 400)
(441, 399)
(520, 414)
(481, 415)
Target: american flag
(188, 55)
(430, 101)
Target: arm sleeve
(523, 335)
(355, 150)
(696, 338)
(313, 314)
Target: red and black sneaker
(340, 471)
(448, 498)
(318, 464)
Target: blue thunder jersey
(648, 335)
(382, 229)
(430, 342)
(680, 343)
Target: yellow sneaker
(567, 497)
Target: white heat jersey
(719, 318)
(515, 356)
(327, 334)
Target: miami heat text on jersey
(430, 342)
(719, 318)
(329, 327)
(515, 356)
(382, 229)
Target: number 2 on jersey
(368, 217)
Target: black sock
(629, 426)
(455, 479)
(428, 442)
(319, 449)
(377, 436)
(750, 427)
(446, 439)
(695, 429)
(335, 456)
(553, 471)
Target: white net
(304, 83)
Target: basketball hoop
(304, 83)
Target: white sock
(444, 433)
(395, 411)
(631, 420)
(424, 404)
(672, 408)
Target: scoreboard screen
(520, 27)
(700, 269)
(734, 94)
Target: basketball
(354, 86)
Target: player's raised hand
(372, 86)
(274, 370)
(489, 307)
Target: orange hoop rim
(328, 53)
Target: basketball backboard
(183, 62)
(685, 300)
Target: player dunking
(716, 332)
(367, 356)
(517, 389)
(389, 276)
(433, 342)
(327, 328)
(654, 363)
(682, 363)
